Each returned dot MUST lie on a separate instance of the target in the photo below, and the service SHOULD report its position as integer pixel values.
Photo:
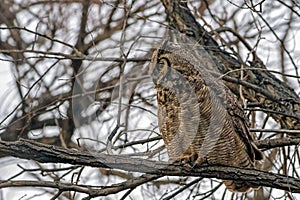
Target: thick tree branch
(281, 98)
(50, 154)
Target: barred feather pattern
(197, 114)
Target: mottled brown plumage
(199, 118)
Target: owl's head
(168, 62)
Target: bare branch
(51, 154)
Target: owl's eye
(162, 69)
(164, 62)
(163, 66)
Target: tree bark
(259, 86)
(43, 153)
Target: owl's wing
(203, 63)
(241, 125)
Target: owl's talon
(188, 166)
(190, 160)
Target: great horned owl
(199, 118)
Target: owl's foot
(190, 160)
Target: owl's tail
(238, 186)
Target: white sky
(6, 89)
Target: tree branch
(281, 98)
(92, 191)
(50, 154)
(280, 142)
